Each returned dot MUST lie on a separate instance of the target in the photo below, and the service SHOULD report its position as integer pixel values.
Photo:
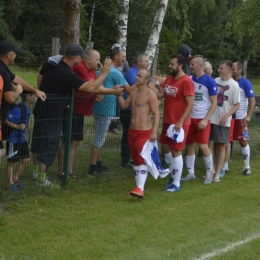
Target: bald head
(93, 59)
(196, 65)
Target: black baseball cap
(76, 49)
(7, 46)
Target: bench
(256, 112)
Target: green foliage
(246, 26)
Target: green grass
(96, 219)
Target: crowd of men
(197, 109)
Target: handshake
(118, 90)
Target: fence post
(55, 46)
(245, 69)
(66, 158)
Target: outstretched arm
(124, 103)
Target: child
(16, 146)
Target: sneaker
(126, 165)
(222, 173)
(189, 177)
(103, 168)
(115, 131)
(45, 183)
(92, 173)
(35, 175)
(173, 188)
(208, 178)
(19, 185)
(170, 181)
(137, 192)
(12, 188)
(247, 172)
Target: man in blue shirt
(103, 111)
(141, 62)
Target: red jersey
(84, 102)
(175, 91)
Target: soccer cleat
(19, 185)
(12, 188)
(45, 183)
(222, 173)
(247, 172)
(173, 188)
(137, 192)
(189, 177)
(208, 178)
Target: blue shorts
(101, 127)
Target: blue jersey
(15, 116)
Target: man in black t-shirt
(57, 80)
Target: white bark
(121, 22)
(155, 31)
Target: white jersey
(228, 96)
(205, 86)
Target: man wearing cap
(83, 106)
(57, 80)
(106, 109)
(178, 92)
(10, 94)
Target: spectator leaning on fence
(56, 78)
(83, 106)
(10, 93)
(106, 109)
(141, 62)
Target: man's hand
(118, 90)
(99, 98)
(18, 89)
(21, 127)
(40, 95)
(153, 137)
(246, 120)
(177, 127)
(202, 124)
(223, 120)
(107, 66)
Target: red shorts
(231, 130)
(198, 136)
(237, 132)
(136, 141)
(166, 140)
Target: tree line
(216, 29)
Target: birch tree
(156, 29)
(121, 22)
(71, 26)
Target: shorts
(136, 141)
(101, 127)
(46, 139)
(198, 136)
(166, 140)
(219, 134)
(231, 130)
(237, 132)
(17, 151)
(76, 128)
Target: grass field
(95, 219)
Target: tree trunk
(121, 22)
(71, 26)
(156, 29)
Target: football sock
(190, 161)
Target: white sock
(168, 159)
(177, 165)
(225, 165)
(246, 156)
(140, 176)
(190, 162)
(208, 163)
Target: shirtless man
(143, 102)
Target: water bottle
(245, 133)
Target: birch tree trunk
(71, 26)
(121, 22)
(155, 31)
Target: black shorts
(17, 151)
(76, 129)
(46, 139)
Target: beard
(174, 72)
